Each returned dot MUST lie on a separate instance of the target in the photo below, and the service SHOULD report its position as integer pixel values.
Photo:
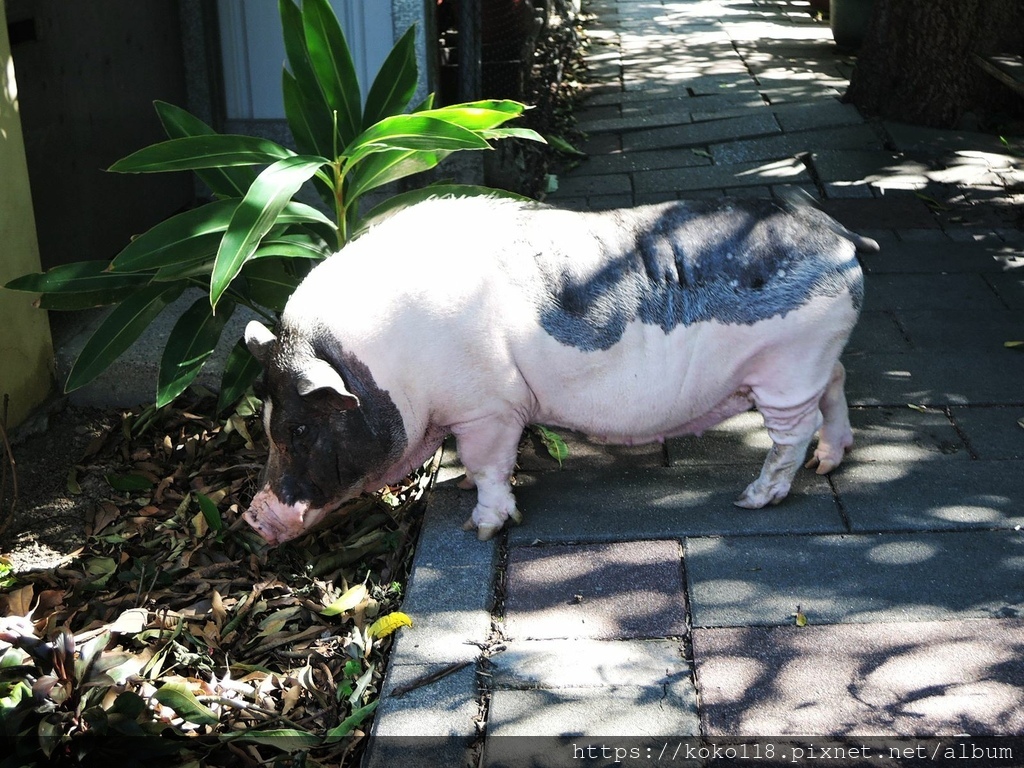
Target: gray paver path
(635, 601)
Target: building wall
(89, 73)
(25, 352)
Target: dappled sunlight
(902, 554)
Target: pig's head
(326, 444)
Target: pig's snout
(278, 522)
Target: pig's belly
(648, 386)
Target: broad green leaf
(192, 341)
(413, 131)
(346, 726)
(209, 509)
(554, 443)
(80, 285)
(122, 326)
(129, 483)
(195, 152)
(405, 199)
(293, 245)
(271, 282)
(349, 600)
(286, 739)
(177, 239)
(395, 83)
(240, 371)
(224, 182)
(305, 107)
(331, 61)
(513, 133)
(478, 115)
(256, 214)
(178, 697)
(384, 167)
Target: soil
(48, 521)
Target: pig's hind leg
(791, 430)
(836, 435)
(488, 450)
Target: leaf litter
(175, 636)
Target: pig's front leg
(791, 430)
(488, 449)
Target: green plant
(254, 242)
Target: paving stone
(1010, 287)
(958, 676)
(942, 255)
(740, 440)
(608, 591)
(917, 292)
(992, 433)
(760, 580)
(805, 117)
(578, 712)
(876, 331)
(450, 592)
(929, 495)
(892, 211)
(944, 331)
(926, 377)
(634, 122)
(441, 716)
(588, 664)
(601, 505)
(640, 161)
(605, 184)
(876, 166)
(797, 93)
(903, 435)
(741, 175)
(791, 144)
(697, 134)
(915, 138)
(586, 453)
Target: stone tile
(1010, 287)
(586, 453)
(760, 580)
(605, 184)
(876, 166)
(442, 716)
(607, 591)
(903, 435)
(893, 211)
(787, 171)
(958, 676)
(915, 138)
(928, 378)
(876, 331)
(805, 117)
(930, 292)
(791, 144)
(637, 121)
(740, 440)
(574, 712)
(697, 134)
(797, 92)
(588, 664)
(992, 433)
(942, 255)
(942, 493)
(659, 503)
(640, 161)
(954, 329)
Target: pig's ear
(259, 340)
(320, 376)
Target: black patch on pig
(737, 262)
(326, 454)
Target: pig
(477, 316)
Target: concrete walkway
(635, 606)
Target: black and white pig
(478, 316)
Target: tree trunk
(916, 62)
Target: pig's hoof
(486, 532)
(757, 498)
(516, 515)
(467, 483)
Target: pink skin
(277, 522)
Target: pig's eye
(299, 431)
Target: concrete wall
(26, 357)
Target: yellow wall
(26, 353)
